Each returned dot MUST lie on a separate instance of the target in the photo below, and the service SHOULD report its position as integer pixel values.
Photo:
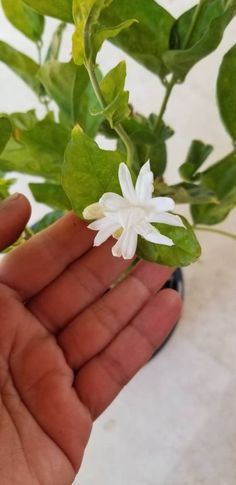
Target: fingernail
(9, 200)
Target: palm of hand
(39, 407)
(66, 345)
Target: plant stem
(118, 128)
(95, 85)
(215, 231)
(97, 90)
(126, 272)
(127, 142)
(174, 80)
(28, 233)
(43, 99)
(168, 92)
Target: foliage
(67, 83)
(21, 64)
(5, 185)
(61, 147)
(5, 132)
(46, 221)
(221, 180)
(186, 248)
(51, 194)
(116, 99)
(226, 92)
(37, 151)
(87, 177)
(189, 45)
(24, 18)
(197, 155)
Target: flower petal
(151, 234)
(93, 211)
(144, 185)
(166, 218)
(112, 202)
(126, 245)
(99, 224)
(126, 183)
(159, 239)
(106, 228)
(162, 204)
(131, 216)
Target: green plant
(62, 149)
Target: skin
(67, 345)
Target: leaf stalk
(215, 231)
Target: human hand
(67, 345)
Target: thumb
(14, 215)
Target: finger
(14, 215)
(91, 331)
(99, 381)
(82, 282)
(40, 260)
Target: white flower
(131, 216)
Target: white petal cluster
(132, 215)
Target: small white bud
(93, 211)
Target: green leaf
(197, 155)
(50, 194)
(55, 44)
(211, 214)
(86, 14)
(21, 64)
(150, 144)
(104, 33)
(5, 185)
(221, 179)
(185, 251)
(23, 121)
(112, 88)
(78, 47)
(213, 18)
(60, 9)
(187, 193)
(84, 9)
(145, 41)
(88, 171)
(158, 159)
(226, 91)
(47, 221)
(5, 132)
(69, 86)
(158, 150)
(39, 151)
(24, 18)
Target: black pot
(176, 282)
